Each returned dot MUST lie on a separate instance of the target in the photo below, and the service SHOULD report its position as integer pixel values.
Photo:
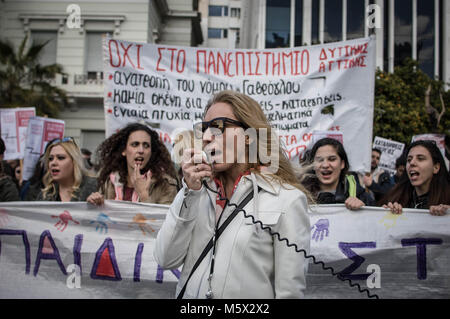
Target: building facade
(75, 41)
(419, 29)
(221, 23)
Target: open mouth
(54, 171)
(139, 160)
(414, 175)
(326, 174)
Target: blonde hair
(78, 168)
(249, 112)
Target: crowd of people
(134, 165)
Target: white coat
(249, 262)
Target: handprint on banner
(64, 219)
(390, 220)
(141, 221)
(101, 221)
(4, 219)
(322, 226)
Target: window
(425, 36)
(94, 61)
(315, 18)
(333, 21)
(218, 11)
(355, 19)
(48, 52)
(214, 33)
(403, 30)
(298, 22)
(235, 12)
(278, 20)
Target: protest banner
(41, 131)
(390, 151)
(76, 250)
(322, 87)
(438, 138)
(13, 124)
(317, 135)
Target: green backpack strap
(351, 185)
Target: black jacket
(8, 190)
(342, 193)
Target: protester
(400, 167)
(87, 160)
(7, 169)
(378, 181)
(66, 179)
(135, 166)
(246, 261)
(31, 188)
(426, 184)
(330, 181)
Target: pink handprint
(64, 219)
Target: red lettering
(159, 60)
(257, 64)
(139, 56)
(171, 58)
(125, 54)
(178, 61)
(323, 55)
(305, 55)
(111, 56)
(211, 61)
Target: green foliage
(400, 110)
(25, 83)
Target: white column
(262, 25)
(307, 22)
(379, 34)
(446, 44)
(436, 39)
(391, 39)
(414, 30)
(366, 16)
(344, 20)
(292, 25)
(321, 20)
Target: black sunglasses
(218, 123)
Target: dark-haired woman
(135, 166)
(426, 184)
(330, 182)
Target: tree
(24, 82)
(408, 102)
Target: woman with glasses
(426, 184)
(66, 179)
(246, 169)
(135, 166)
(330, 181)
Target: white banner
(14, 123)
(42, 130)
(44, 245)
(390, 151)
(327, 87)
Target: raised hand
(141, 183)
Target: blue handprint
(101, 223)
(321, 229)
